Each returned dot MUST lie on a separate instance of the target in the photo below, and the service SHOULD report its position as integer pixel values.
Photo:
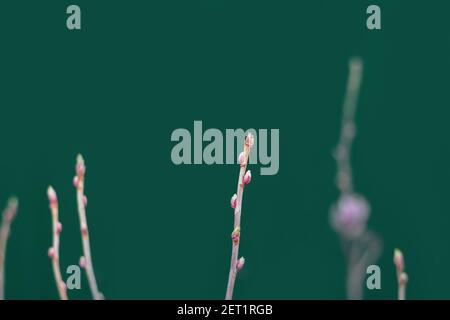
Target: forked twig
(402, 277)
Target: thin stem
(402, 277)
(8, 216)
(348, 128)
(53, 252)
(243, 159)
(362, 252)
(402, 292)
(81, 203)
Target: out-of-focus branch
(7, 218)
(348, 128)
(349, 215)
(402, 277)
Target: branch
(53, 251)
(402, 277)
(236, 204)
(362, 252)
(349, 215)
(8, 216)
(81, 203)
(348, 128)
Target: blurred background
(137, 70)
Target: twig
(7, 218)
(350, 214)
(362, 252)
(236, 204)
(348, 129)
(402, 277)
(53, 251)
(81, 203)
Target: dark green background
(140, 69)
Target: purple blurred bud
(349, 215)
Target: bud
(51, 252)
(59, 227)
(85, 201)
(398, 260)
(349, 215)
(52, 198)
(240, 263)
(63, 285)
(247, 177)
(249, 140)
(403, 279)
(82, 262)
(84, 230)
(235, 235)
(80, 168)
(241, 158)
(234, 201)
(75, 181)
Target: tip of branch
(356, 63)
(80, 159)
(399, 260)
(11, 209)
(80, 168)
(52, 197)
(13, 202)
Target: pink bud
(247, 177)
(241, 158)
(85, 200)
(398, 260)
(403, 279)
(51, 252)
(234, 201)
(249, 140)
(240, 263)
(52, 198)
(235, 235)
(80, 168)
(75, 181)
(59, 227)
(11, 210)
(84, 230)
(63, 285)
(82, 262)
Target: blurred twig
(7, 218)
